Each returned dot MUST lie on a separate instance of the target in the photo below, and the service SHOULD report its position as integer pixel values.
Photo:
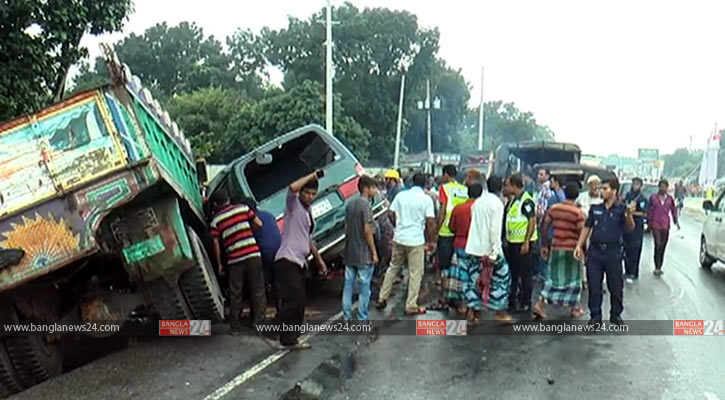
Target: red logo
(169, 327)
(689, 327)
(430, 327)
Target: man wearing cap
(392, 183)
(586, 200)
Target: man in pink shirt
(661, 207)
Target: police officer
(606, 223)
(521, 235)
(633, 239)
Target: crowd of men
(490, 239)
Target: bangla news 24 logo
(441, 327)
(184, 327)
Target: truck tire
(9, 379)
(34, 357)
(169, 301)
(200, 286)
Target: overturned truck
(101, 216)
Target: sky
(610, 76)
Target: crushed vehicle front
(265, 179)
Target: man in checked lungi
(484, 253)
(563, 284)
(460, 280)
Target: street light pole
(396, 161)
(328, 71)
(480, 117)
(428, 107)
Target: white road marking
(257, 368)
(711, 396)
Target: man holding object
(291, 260)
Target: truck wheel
(9, 380)
(169, 301)
(35, 357)
(200, 285)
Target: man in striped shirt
(232, 227)
(563, 285)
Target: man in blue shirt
(606, 223)
(268, 239)
(633, 240)
(557, 191)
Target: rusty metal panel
(153, 240)
(51, 152)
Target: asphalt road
(386, 366)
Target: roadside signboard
(648, 154)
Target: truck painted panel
(66, 167)
(49, 153)
(61, 230)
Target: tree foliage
(373, 48)
(219, 91)
(176, 59)
(503, 123)
(222, 125)
(40, 41)
(681, 163)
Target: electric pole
(328, 71)
(480, 117)
(396, 161)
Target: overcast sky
(610, 76)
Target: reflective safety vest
(456, 194)
(517, 223)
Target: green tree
(446, 123)
(205, 115)
(282, 112)
(246, 51)
(222, 124)
(40, 41)
(373, 48)
(503, 123)
(681, 163)
(177, 59)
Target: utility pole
(480, 117)
(427, 106)
(396, 161)
(328, 71)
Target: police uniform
(633, 240)
(518, 213)
(605, 256)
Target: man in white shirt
(414, 219)
(485, 243)
(586, 200)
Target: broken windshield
(291, 160)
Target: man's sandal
(418, 311)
